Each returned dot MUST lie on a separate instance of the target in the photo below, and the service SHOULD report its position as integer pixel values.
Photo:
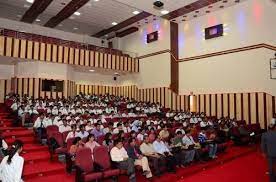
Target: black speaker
(158, 4)
(114, 78)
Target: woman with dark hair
(12, 165)
(77, 143)
(91, 143)
(108, 142)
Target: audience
(91, 143)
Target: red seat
(64, 135)
(50, 130)
(102, 158)
(84, 166)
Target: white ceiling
(96, 16)
(147, 5)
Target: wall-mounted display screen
(214, 31)
(152, 37)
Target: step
(43, 168)
(57, 177)
(11, 134)
(35, 156)
(23, 139)
(30, 147)
(11, 129)
(6, 124)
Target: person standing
(11, 166)
(269, 148)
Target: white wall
(137, 42)
(232, 73)
(50, 32)
(6, 71)
(247, 23)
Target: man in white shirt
(161, 148)
(64, 127)
(39, 126)
(119, 156)
(82, 133)
(189, 143)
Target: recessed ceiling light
(38, 20)
(30, 1)
(96, 0)
(114, 23)
(116, 73)
(164, 12)
(77, 13)
(136, 12)
(76, 28)
(71, 17)
(91, 70)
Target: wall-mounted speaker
(114, 78)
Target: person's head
(121, 134)
(132, 142)
(42, 116)
(108, 136)
(179, 133)
(74, 127)
(90, 138)
(146, 139)
(158, 138)
(98, 126)
(119, 126)
(16, 148)
(118, 143)
(132, 133)
(77, 141)
(110, 125)
(82, 128)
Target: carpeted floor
(239, 164)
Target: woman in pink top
(91, 143)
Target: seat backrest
(58, 137)
(101, 157)
(84, 159)
(51, 129)
(64, 135)
(70, 143)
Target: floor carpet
(239, 164)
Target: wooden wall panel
(86, 58)
(92, 58)
(77, 56)
(261, 112)
(82, 55)
(15, 48)
(269, 112)
(225, 105)
(96, 64)
(2, 45)
(232, 105)
(60, 54)
(29, 49)
(208, 101)
(202, 103)
(23, 50)
(2, 93)
(48, 52)
(54, 53)
(42, 51)
(36, 50)
(213, 105)
(66, 55)
(239, 106)
(25, 85)
(101, 59)
(246, 104)
(36, 88)
(219, 105)
(71, 55)
(9, 46)
(252, 111)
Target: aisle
(250, 168)
(37, 158)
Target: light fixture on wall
(92, 70)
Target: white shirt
(4, 144)
(188, 140)
(11, 172)
(160, 147)
(118, 155)
(71, 134)
(63, 128)
(82, 135)
(38, 123)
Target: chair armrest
(79, 174)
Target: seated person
(3, 146)
(190, 146)
(77, 143)
(109, 128)
(141, 134)
(73, 133)
(118, 128)
(147, 150)
(177, 149)
(209, 142)
(82, 133)
(120, 157)
(97, 131)
(164, 133)
(64, 127)
(91, 143)
(134, 153)
(108, 142)
(161, 148)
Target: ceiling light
(96, 0)
(77, 13)
(136, 12)
(164, 12)
(26, 6)
(91, 70)
(76, 28)
(30, 1)
(114, 23)
(38, 20)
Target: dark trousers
(171, 163)
(127, 165)
(272, 168)
(180, 157)
(158, 164)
